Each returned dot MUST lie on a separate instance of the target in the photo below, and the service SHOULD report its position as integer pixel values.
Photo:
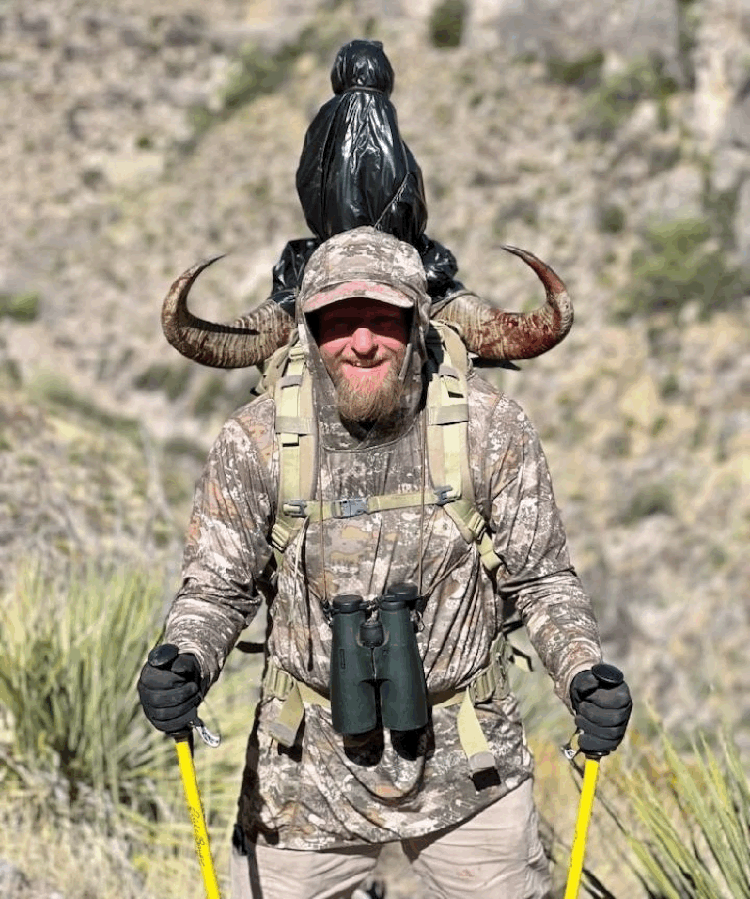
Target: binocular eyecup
(375, 663)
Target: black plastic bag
(356, 170)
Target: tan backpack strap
(491, 682)
(448, 441)
(293, 694)
(313, 510)
(448, 418)
(295, 431)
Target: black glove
(602, 703)
(171, 689)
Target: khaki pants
(497, 854)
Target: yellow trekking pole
(183, 744)
(608, 676)
(162, 657)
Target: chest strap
(488, 683)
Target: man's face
(363, 345)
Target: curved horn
(249, 340)
(502, 336)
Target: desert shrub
(690, 834)
(610, 218)
(208, 396)
(680, 262)
(612, 103)
(72, 656)
(584, 72)
(50, 388)
(85, 777)
(10, 374)
(446, 23)
(23, 307)
(257, 72)
(172, 379)
(184, 446)
(650, 499)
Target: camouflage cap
(363, 262)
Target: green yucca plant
(71, 658)
(77, 755)
(689, 834)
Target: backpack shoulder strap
(296, 435)
(448, 439)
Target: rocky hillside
(610, 138)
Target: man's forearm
(562, 628)
(208, 626)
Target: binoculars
(375, 662)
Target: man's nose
(363, 341)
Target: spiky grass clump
(72, 658)
(91, 800)
(694, 816)
(676, 812)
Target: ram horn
(492, 334)
(500, 336)
(249, 340)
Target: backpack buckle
(294, 508)
(348, 508)
(445, 494)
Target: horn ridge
(494, 335)
(249, 340)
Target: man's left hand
(602, 711)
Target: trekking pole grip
(608, 677)
(162, 657)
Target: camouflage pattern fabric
(381, 268)
(328, 790)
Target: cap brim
(372, 290)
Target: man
(422, 477)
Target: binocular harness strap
(294, 694)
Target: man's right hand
(170, 689)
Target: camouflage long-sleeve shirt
(329, 790)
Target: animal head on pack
(495, 336)
(355, 170)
